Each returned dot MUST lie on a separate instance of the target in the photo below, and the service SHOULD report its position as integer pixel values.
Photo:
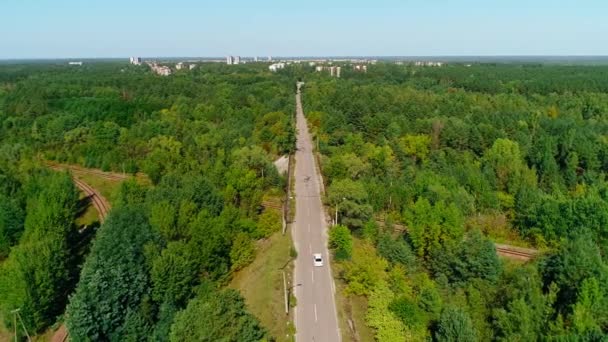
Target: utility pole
(285, 294)
(336, 223)
(15, 315)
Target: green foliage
(386, 325)
(350, 199)
(455, 326)
(571, 267)
(39, 272)
(590, 312)
(474, 257)
(395, 250)
(114, 279)
(173, 275)
(364, 270)
(216, 316)
(432, 226)
(416, 146)
(268, 222)
(341, 242)
(242, 252)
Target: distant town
(332, 66)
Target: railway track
(507, 251)
(515, 252)
(98, 201)
(83, 171)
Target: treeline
(39, 260)
(206, 138)
(456, 154)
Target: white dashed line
(316, 319)
(312, 274)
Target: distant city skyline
(108, 29)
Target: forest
(157, 268)
(426, 168)
(429, 166)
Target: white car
(317, 259)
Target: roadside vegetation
(456, 156)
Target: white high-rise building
(270, 58)
(229, 60)
(236, 60)
(255, 59)
(135, 60)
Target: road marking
(310, 248)
(309, 227)
(316, 319)
(312, 273)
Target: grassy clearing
(261, 284)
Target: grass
(89, 214)
(107, 188)
(261, 284)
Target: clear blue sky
(112, 28)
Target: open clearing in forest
(261, 284)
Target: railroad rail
(503, 250)
(77, 170)
(98, 201)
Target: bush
(341, 242)
(455, 326)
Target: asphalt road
(315, 313)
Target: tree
(242, 252)
(577, 260)
(38, 273)
(386, 325)
(432, 226)
(114, 278)
(505, 160)
(174, 273)
(216, 317)
(474, 257)
(364, 270)
(455, 326)
(416, 146)
(590, 312)
(395, 250)
(349, 197)
(341, 242)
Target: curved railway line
(98, 201)
(103, 208)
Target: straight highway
(315, 314)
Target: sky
(189, 28)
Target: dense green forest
(158, 266)
(426, 166)
(460, 156)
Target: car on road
(317, 259)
